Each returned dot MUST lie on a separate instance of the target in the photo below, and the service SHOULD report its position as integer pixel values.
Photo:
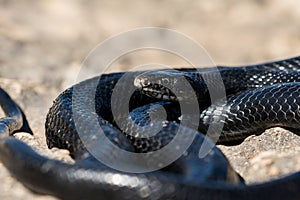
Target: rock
(273, 154)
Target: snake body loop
(262, 96)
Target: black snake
(258, 97)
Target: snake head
(184, 85)
(157, 84)
(162, 84)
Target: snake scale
(258, 97)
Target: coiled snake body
(258, 97)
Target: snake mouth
(154, 90)
(159, 92)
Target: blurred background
(46, 41)
(43, 43)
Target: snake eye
(141, 82)
(165, 81)
(145, 82)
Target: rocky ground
(43, 44)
